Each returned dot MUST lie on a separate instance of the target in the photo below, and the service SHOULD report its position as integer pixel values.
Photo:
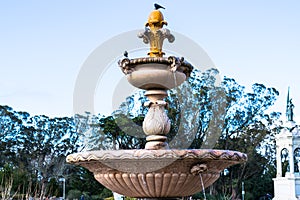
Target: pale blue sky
(43, 44)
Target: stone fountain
(156, 172)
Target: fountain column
(156, 124)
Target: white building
(287, 181)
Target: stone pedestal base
(287, 188)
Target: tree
(81, 181)
(11, 123)
(246, 128)
(52, 139)
(36, 145)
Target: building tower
(287, 181)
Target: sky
(44, 45)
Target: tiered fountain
(156, 172)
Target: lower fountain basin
(157, 173)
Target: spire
(287, 102)
(289, 107)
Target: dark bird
(157, 6)
(126, 54)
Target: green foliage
(74, 194)
(6, 177)
(200, 195)
(113, 132)
(83, 180)
(105, 193)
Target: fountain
(156, 172)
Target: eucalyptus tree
(36, 145)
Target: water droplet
(203, 188)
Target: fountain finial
(155, 33)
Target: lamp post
(243, 191)
(64, 187)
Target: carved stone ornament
(156, 39)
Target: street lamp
(243, 191)
(225, 172)
(64, 187)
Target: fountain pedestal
(156, 124)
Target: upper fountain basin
(156, 72)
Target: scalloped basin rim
(212, 154)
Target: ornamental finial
(155, 33)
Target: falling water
(175, 79)
(176, 89)
(203, 189)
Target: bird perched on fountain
(156, 18)
(157, 6)
(126, 54)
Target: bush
(106, 193)
(74, 194)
